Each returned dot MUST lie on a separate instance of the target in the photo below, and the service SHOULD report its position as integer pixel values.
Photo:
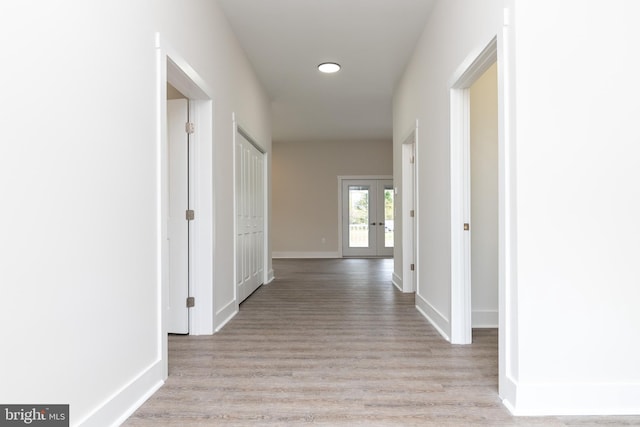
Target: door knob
(381, 223)
(373, 223)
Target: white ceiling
(286, 40)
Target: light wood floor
(332, 342)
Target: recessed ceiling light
(329, 67)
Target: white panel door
(250, 208)
(178, 232)
(367, 217)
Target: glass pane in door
(388, 217)
(358, 216)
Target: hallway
(332, 342)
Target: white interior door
(409, 202)
(178, 233)
(367, 217)
(250, 209)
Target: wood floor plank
(332, 343)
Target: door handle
(381, 223)
(373, 223)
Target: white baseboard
(484, 319)
(397, 281)
(507, 391)
(270, 277)
(226, 314)
(306, 255)
(437, 320)
(575, 399)
(125, 401)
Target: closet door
(250, 208)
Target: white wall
(202, 35)
(484, 199)
(577, 102)
(423, 94)
(79, 306)
(569, 103)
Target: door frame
(409, 200)
(461, 326)
(239, 129)
(172, 68)
(340, 221)
(499, 50)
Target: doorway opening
(367, 216)
(483, 194)
(476, 64)
(463, 197)
(174, 72)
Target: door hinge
(189, 127)
(413, 267)
(191, 302)
(466, 226)
(412, 213)
(412, 160)
(191, 215)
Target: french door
(367, 217)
